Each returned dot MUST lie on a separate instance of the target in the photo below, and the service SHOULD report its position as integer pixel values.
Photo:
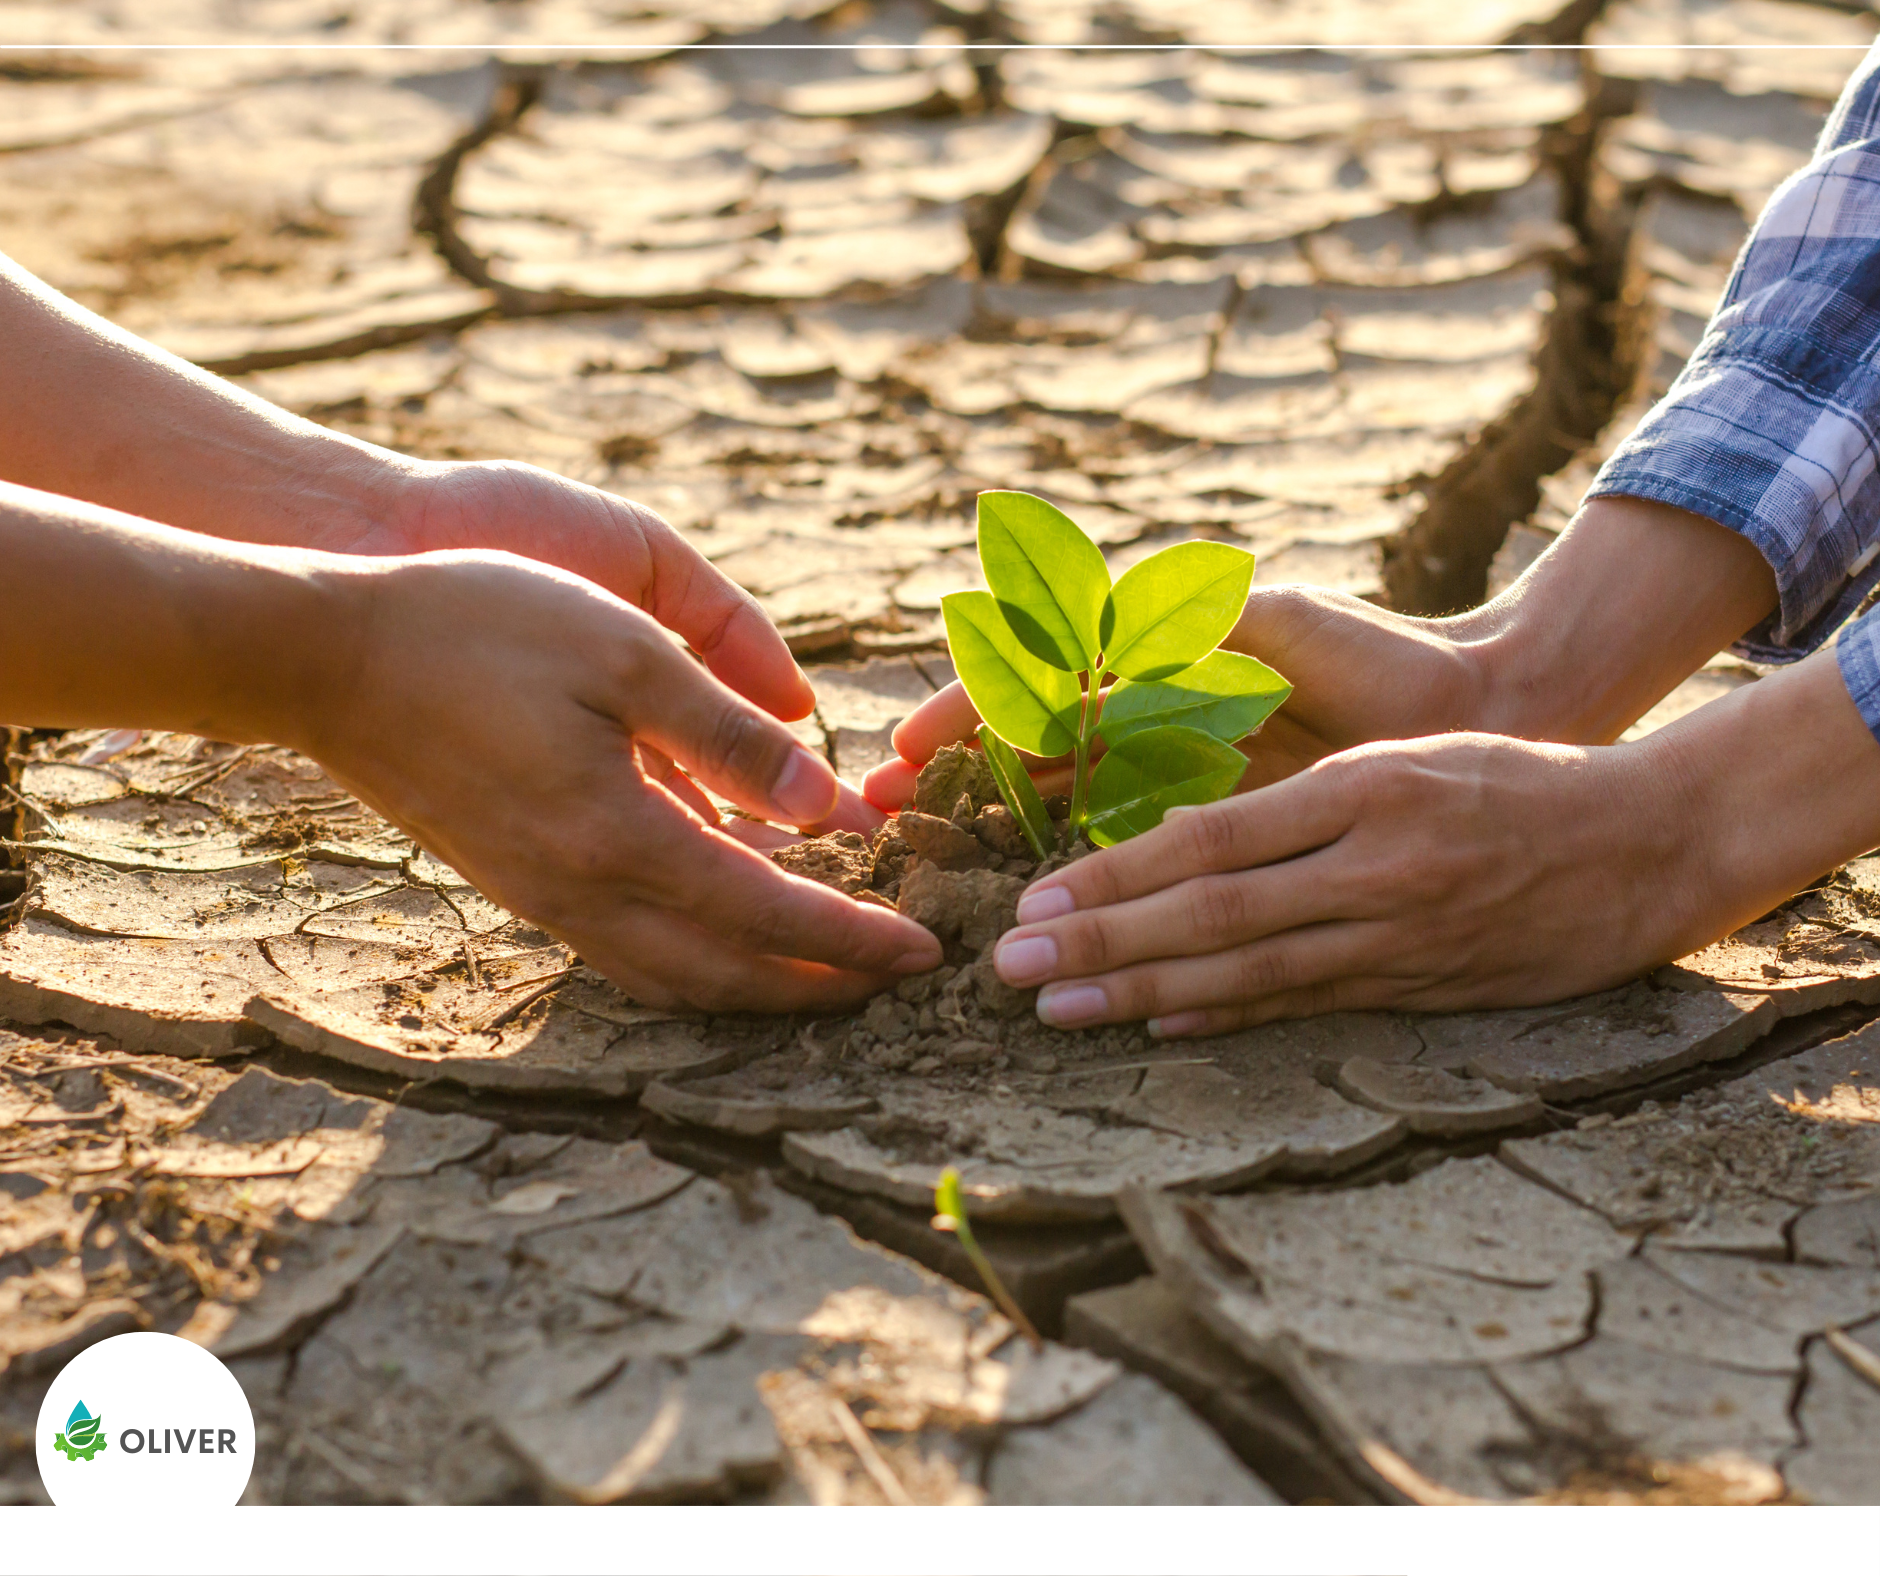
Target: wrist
(284, 643)
(1632, 599)
(1771, 787)
(1506, 652)
(351, 498)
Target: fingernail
(805, 790)
(1176, 1024)
(1066, 1006)
(1179, 809)
(1024, 960)
(917, 962)
(1042, 903)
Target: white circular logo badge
(146, 1420)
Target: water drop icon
(83, 1437)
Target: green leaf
(1048, 577)
(1020, 793)
(1029, 705)
(1225, 695)
(1175, 607)
(1151, 772)
(946, 1195)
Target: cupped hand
(1439, 873)
(538, 734)
(628, 549)
(1358, 673)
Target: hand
(494, 709)
(630, 551)
(1358, 673)
(1440, 873)
(1465, 871)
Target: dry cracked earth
(471, 1225)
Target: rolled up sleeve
(1773, 426)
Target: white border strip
(1087, 1541)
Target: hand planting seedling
(949, 1207)
(1035, 650)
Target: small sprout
(950, 1215)
(1035, 650)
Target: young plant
(1036, 649)
(949, 1206)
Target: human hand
(520, 723)
(626, 549)
(1439, 873)
(1358, 673)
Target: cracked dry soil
(280, 1081)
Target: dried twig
(1856, 1356)
(863, 1444)
(1137, 1067)
(493, 1021)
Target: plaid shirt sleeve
(1773, 426)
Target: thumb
(725, 742)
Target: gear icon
(93, 1434)
(78, 1452)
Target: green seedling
(1036, 649)
(949, 1207)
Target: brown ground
(1360, 313)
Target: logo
(83, 1437)
(182, 1434)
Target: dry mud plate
(272, 1076)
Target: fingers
(946, 717)
(659, 769)
(760, 835)
(665, 961)
(722, 740)
(1316, 966)
(1188, 919)
(890, 786)
(740, 895)
(853, 813)
(1258, 828)
(719, 619)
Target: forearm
(91, 412)
(115, 621)
(1764, 790)
(1633, 598)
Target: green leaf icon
(1175, 607)
(1048, 577)
(1029, 705)
(1151, 772)
(1225, 695)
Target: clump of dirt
(955, 861)
(285, 830)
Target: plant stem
(1080, 781)
(1007, 1303)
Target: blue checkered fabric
(1773, 426)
